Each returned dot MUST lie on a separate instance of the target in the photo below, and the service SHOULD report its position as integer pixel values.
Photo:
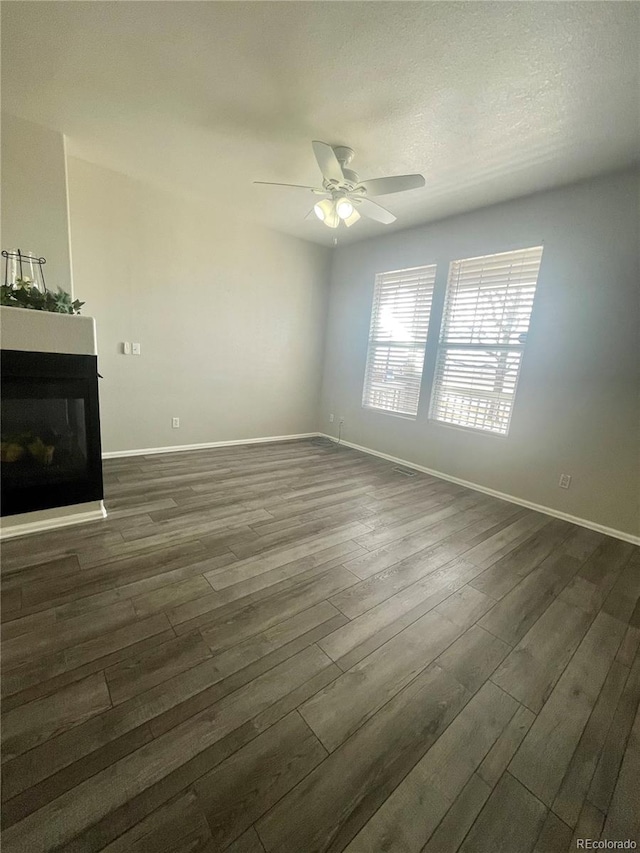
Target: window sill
(468, 430)
(391, 414)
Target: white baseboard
(180, 448)
(53, 523)
(581, 522)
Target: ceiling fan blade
(328, 162)
(374, 211)
(396, 184)
(297, 186)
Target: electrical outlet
(341, 421)
(175, 423)
(126, 348)
(135, 349)
(330, 419)
(565, 481)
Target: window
(397, 337)
(484, 330)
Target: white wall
(34, 196)
(577, 405)
(230, 317)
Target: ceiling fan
(348, 196)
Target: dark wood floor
(297, 648)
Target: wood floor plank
(519, 610)
(330, 805)
(141, 672)
(199, 611)
(316, 620)
(460, 817)
(473, 657)
(625, 593)
(247, 843)
(501, 576)
(125, 591)
(45, 641)
(27, 624)
(391, 548)
(31, 724)
(242, 788)
(606, 773)
(437, 780)
(245, 569)
(368, 631)
(338, 710)
(105, 570)
(178, 826)
(530, 672)
(629, 646)
(546, 751)
(17, 578)
(497, 759)
(598, 575)
(465, 606)
(496, 830)
(128, 635)
(521, 529)
(51, 674)
(169, 596)
(623, 817)
(555, 836)
(589, 824)
(32, 798)
(575, 785)
(256, 618)
(438, 564)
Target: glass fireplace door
(50, 448)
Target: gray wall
(577, 407)
(34, 196)
(230, 316)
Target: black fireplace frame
(79, 375)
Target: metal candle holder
(17, 261)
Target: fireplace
(50, 450)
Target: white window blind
(397, 338)
(484, 330)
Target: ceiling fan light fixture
(349, 221)
(319, 209)
(326, 212)
(344, 208)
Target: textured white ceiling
(489, 100)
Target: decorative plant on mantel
(23, 291)
(26, 295)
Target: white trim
(53, 523)
(179, 448)
(65, 155)
(581, 522)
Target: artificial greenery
(25, 295)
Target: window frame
(446, 345)
(375, 342)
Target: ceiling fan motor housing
(350, 179)
(343, 154)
